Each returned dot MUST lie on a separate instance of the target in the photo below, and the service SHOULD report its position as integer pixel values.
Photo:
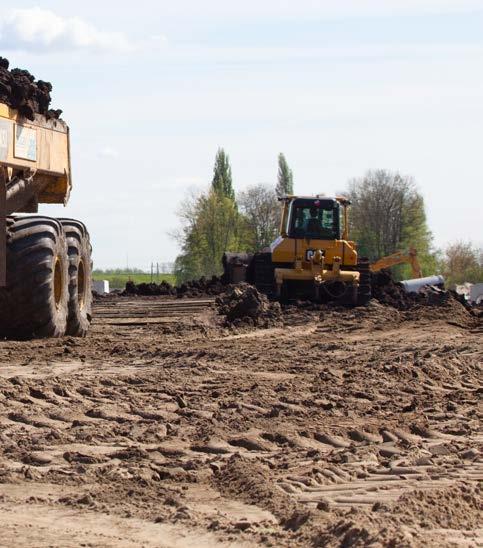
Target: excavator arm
(400, 258)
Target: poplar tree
(222, 182)
(285, 177)
(211, 225)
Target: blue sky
(151, 90)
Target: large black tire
(349, 298)
(34, 303)
(285, 293)
(263, 273)
(80, 277)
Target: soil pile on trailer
(20, 90)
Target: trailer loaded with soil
(45, 263)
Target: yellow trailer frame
(34, 167)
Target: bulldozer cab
(312, 218)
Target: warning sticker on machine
(25, 143)
(5, 129)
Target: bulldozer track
(144, 311)
(384, 482)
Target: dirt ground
(165, 427)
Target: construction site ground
(165, 427)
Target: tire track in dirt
(342, 420)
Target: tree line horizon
(387, 215)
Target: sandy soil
(165, 428)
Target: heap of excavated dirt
(204, 286)
(244, 304)
(448, 309)
(386, 291)
(149, 289)
(455, 508)
(195, 288)
(389, 292)
(20, 90)
(429, 303)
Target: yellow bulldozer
(313, 256)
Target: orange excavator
(411, 258)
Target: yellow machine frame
(34, 168)
(39, 148)
(314, 260)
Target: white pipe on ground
(413, 286)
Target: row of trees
(216, 220)
(461, 262)
(387, 215)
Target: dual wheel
(48, 291)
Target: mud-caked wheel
(342, 294)
(263, 273)
(34, 303)
(80, 276)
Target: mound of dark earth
(20, 90)
(204, 286)
(389, 292)
(195, 288)
(149, 289)
(244, 304)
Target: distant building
(473, 293)
(100, 286)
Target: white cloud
(35, 29)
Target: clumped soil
(243, 304)
(20, 90)
(203, 287)
(337, 427)
(387, 291)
